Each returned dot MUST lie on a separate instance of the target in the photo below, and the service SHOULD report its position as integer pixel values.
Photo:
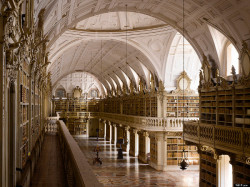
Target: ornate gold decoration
(245, 65)
(205, 77)
(248, 160)
(77, 92)
(186, 86)
(209, 149)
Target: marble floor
(129, 171)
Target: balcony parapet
(79, 172)
(147, 123)
(77, 115)
(228, 139)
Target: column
(224, 170)
(114, 133)
(134, 142)
(105, 129)
(110, 132)
(120, 134)
(158, 151)
(87, 128)
(126, 136)
(101, 128)
(144, 146)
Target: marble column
(158, 151)
(126, 136)
(114, 133)
(134, 142)
(105, 129)
(109, 131)
(144, 146)
(101, 128)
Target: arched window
(232, 59)
(60, 92)
(93, 93)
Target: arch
(172, 23)
(174, 63)
(150, 59)
(221, 43)
(99, 83)
(60, 91)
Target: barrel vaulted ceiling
(76, 29)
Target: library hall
(124, 93)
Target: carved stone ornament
(245, 65)
(248, 161)
(12, 75)
(77, 92)
(183, 84)
(206, 79)
(209, 149)
(245, 60)
(169, 133)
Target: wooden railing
(147, 123)
(231, 139)
(79, 172)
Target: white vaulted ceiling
(76, 27)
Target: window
(232, 59)
(60, 93)
(93, 93)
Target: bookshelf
(226, 107)
(174, 152)
(179, 106)
(241, 174)
(153, 150)
(24, 111)
(207, 169)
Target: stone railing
(147, 123)
(231, 139)
(78, 171)
(77, 114)
(51, 127)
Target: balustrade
(78, 171)
(147, 123)
(232, 139)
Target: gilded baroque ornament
(205, 76)
(183, 84)
(248, 160)
(245, 65)
(209, 149)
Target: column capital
(133, 130)
(127, 128)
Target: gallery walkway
(49, 171)
(129, 171)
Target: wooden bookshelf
(241, 173)
(175, 152)
(179, 106)
(153, 150)
(226, 107)
(24, 108)
(207, 169)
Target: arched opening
(232, 59)
(60, 92)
